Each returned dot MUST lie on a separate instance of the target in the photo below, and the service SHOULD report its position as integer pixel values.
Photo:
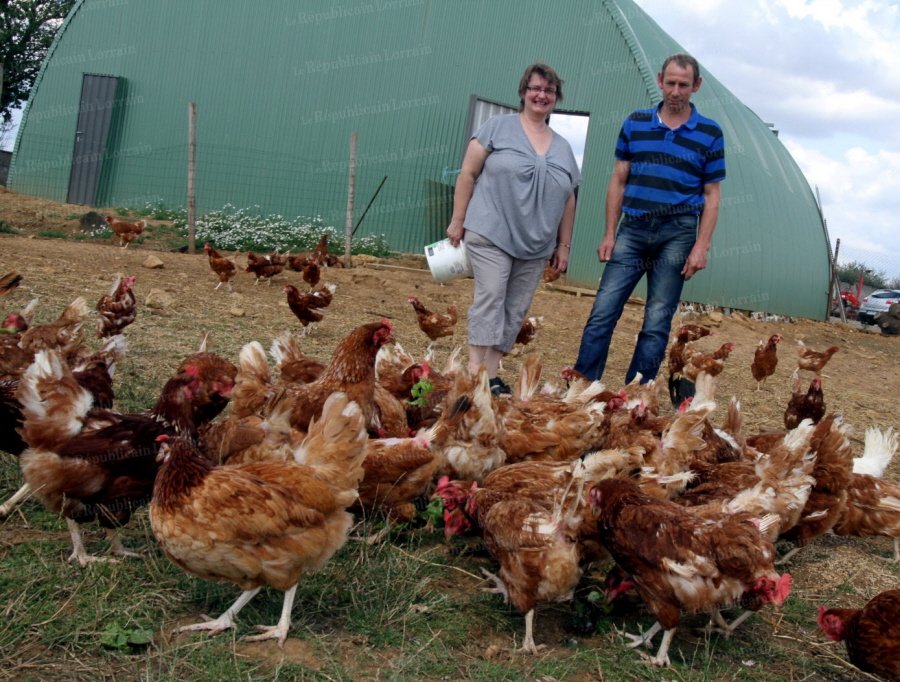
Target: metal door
(98, 96)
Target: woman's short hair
(545, 72)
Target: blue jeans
(658, 247)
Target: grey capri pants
(504, 288)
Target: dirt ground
(862, 381)
(859, 380)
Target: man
(669, 163)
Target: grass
(53, 234)
(6, 228)
(405, 609)
(409, 608)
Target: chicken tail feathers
(252, 383)
(54, 405)
(335, 445)
(878, 452)
(285, 348)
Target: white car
(877, 302)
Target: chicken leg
(280, 630)
(718, 623)
(7, 507)
(79, 554)
(226, 620)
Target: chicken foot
(116, 546)
(280, 630)
(894, 560)
(645, 638)
(79, 554)
(528, 645)
(499, 587)
(662, 654)
(661, 660)
(717, 623)
(226, 620)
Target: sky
(827, 74)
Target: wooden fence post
(351, 195)
(191, 189)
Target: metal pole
(351, 193)
(191, 188)
(369, 205)
(836, 285)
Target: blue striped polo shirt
(669, 167)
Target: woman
(515, 204)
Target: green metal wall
(281, 85)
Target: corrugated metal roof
(280, 86)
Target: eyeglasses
(538, 88)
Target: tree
(850, 272)
(27, 28)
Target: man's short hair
(683, 60)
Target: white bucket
(446, 261)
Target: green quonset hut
(280, 86)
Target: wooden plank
(385, 266)
(580, 291)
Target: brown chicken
(426, 394)
(813, 360)
(872, 509)
(777, 483)
(469, 432)
(351, 370)
(309, 307)
(397, 370)
(680, 562)
(679, 387)
(711, 363)
(217, 378)
(550, 429)
(9, 281)
(93, 373)
(322, 257)
(551, 274)
(528, 332)
(294, 365)
(873, 503)
(246, 440)
(765, 359)
(264, 267)
(397, 471)
(223, 268)
(809, 405)
(311, 273)
(88, 464)
(434, 325)
(533, 517)
(118, 308)
(126, 231)
(870, 634)
(833, 472)
(261, 524)
(13, 358)
(65, 334)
